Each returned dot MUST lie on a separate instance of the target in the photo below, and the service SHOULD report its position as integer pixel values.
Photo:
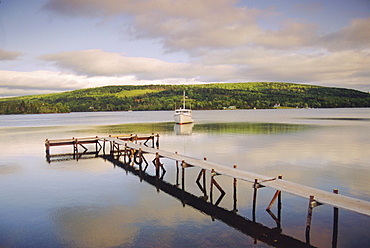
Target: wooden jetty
(129, 147)
(271, 236)
(73, 142)
(316, 196)
(82, 142)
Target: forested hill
(205, 96)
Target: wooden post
(234, 195)
(157, 170)
(47, 147)
(183, 174)
(211, 188)
(47, 150)
(125, 155)
(96, 145)
(140, 156)
(255, 185)
(309, 218)
(204, 180)
(75, 148)
(140, 165)
(157, 164)
(177, 172)
(118, 149)
(279, 204)
(335, 224)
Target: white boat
(183, 115)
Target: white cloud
(13, 83)
(100, 63)
(258, 64)
(34, 80)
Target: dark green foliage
(205, 96)
(31, 107)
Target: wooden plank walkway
(61, 142)
(320, 196)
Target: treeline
(31, 107)
(205, 96)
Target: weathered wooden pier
(128, 146)
(319, 196)
(271, 236)
(77, 143)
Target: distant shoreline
(260, 95)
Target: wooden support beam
(201, 174)
(277, 196)
(80, 144)
(277, 193)
(214, 182)
(202, 187)
(147, 139)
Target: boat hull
(183, 119)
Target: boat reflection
(183, 129)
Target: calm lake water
(91, 202)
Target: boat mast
(184, 100)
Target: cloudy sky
(58, 45)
